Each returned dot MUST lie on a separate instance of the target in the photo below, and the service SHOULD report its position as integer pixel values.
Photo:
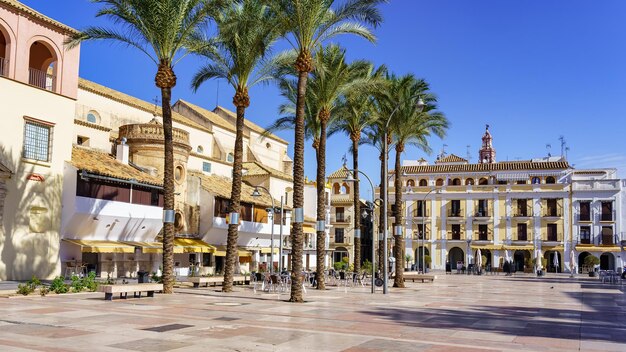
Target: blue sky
(533, 70)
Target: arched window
(42, 63)
(456, 182)
(345, 189)
(439, 182)
(4, 41)
(469, 181)
(410, 183)
(550, 180)
(536, 180)
(93, 117)
(336, 188)
(423, 183)
(483, 181)
(199, 149)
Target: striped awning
(546, 173)
(519, 248)
(492, 247)
(513, 176)
(101, 246)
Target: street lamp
(420, 106)
(350, 178)
(424, 228)
(256, 193)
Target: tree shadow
(30, 232)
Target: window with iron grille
(37, 141)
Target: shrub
(338, 266)
(590, 260)
(77, 284)
(44, 290)
(59, 286)
(366, 266)
(156, 278)
(89, 282)
(24, 289)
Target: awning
(513, 177)
(552, 248)
(488, 246)
(192, 245)
(220, 251)
(148, 247)
(102, 246)
(268, 250)
(308, 229)
(598, 249)
(519, 248)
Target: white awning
(547, 173)
(513, 176)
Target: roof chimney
(122, 152)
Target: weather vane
(344, 160)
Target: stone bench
(214, 280)
(423, 277)
(124, 289)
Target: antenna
(443, 150)
(548, 146)
(563, 142)
(566, 150)
(468, 154)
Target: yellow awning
(102, 246)
(148, 247)
(519, 248)
(268, 250)
(192, 245)
(493, 247)
(598, 249)
(220, 251)
(552, 248)
(308, 229)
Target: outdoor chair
(343, 278)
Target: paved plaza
(455, 313)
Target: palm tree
(355, 113)
(410, 125)
(306, 25)
(161, 29)
(246, 29)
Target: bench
(214, 280)
(423, 277)
(124, 289)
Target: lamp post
(256, 193)
(420, 105)
(350, 178)
(424, 228)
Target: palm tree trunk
(381, 222)
(168, 191)
(321, 204)
(399, 245)
(357, 205)
(298, 192)
(235, 201)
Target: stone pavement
(455, 313)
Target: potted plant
(427, 261)
(591, 262)
(407, 260)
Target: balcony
(418, 213)
(596, 185)
(4, 67)
(341, 218)
(608, 217)
(41, 79)
(483, 213)
(341, 240)
(455, 213)
(455, 236)
(484, 236)
(552, 213)
(552, 237)
(601, 240)
(521, 237)
(610, 240)
(522, 211)
(418, 236)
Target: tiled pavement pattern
(456, 313)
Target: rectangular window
(585, 234)
(522, 207)
(585, 211)
(339, 235)
(552, 234)
(206, 167)
(456, 232)
(455, 208)
(206, 259)
(37, 140)
(339, 214)
(607, 235)
(522, 234)
(482, 208)
(221, 207)
(483, 233)
(607, 211)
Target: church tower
(487, 154)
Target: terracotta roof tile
(257, 169)
(100, 163)
(451, 159)
(341, 199)
(342, 173)
(37, 15)
(500, 166)
(136, 103)
(220, 186)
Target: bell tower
(487, 154)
